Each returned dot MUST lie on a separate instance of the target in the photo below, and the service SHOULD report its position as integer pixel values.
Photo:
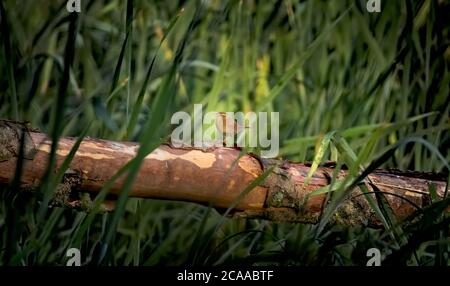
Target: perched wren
(227, 126)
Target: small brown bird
(227, 126)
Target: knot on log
(70, 182)
(286, 200)
(282, 190)
(68, 194)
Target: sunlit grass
(350, 86)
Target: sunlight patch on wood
(199, 158)
(64, 152)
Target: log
(213, 176)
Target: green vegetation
(364, 89)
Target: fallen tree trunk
(215, 176)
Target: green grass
(366, 90)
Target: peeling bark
(215, 176)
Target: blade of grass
(320, 153)
(288, 75)
(129, 59)
(137, 105)
(7, 47)
(58, 113)
(259, 180)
